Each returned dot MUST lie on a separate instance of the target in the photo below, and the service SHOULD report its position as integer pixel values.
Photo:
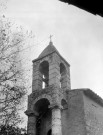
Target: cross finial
(51, 38)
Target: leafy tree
(3, 4)
(11, 130)
(12, 82)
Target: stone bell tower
(47, 104)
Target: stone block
(55, 81)
(54, 70)
(37, 77)
(54, 75)
(36, 73)
(37, 84)
(52, 66)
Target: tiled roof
(48, 50)
(91, 94)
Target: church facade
(56, 109)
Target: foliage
(11, 130)
(3, 4)
(12, 81)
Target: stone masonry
(55, 109)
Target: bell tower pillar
(56, 120)
(31, 122)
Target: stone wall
(93, 116)
(75, 116)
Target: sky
(77, 34)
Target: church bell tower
(47, 103)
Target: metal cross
(50, 37)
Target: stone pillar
(36, 78)
(37, 81)
(31, 127)
(54, 74)
(56, 120)
(65, 82)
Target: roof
(94, 7)
(48, 50)
(91, 94)
(94, 96)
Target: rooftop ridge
(88, 92)
(48, 50)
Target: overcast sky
(77, 34)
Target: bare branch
(12, 88)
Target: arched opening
(49, 132)
(62, 74)
(42, 105)
(64, 104)
(44, 69)
(44, 118)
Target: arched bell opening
(43, 122)
(64, 104)
(62, 74)
(44, 69)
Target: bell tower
(48, 101)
